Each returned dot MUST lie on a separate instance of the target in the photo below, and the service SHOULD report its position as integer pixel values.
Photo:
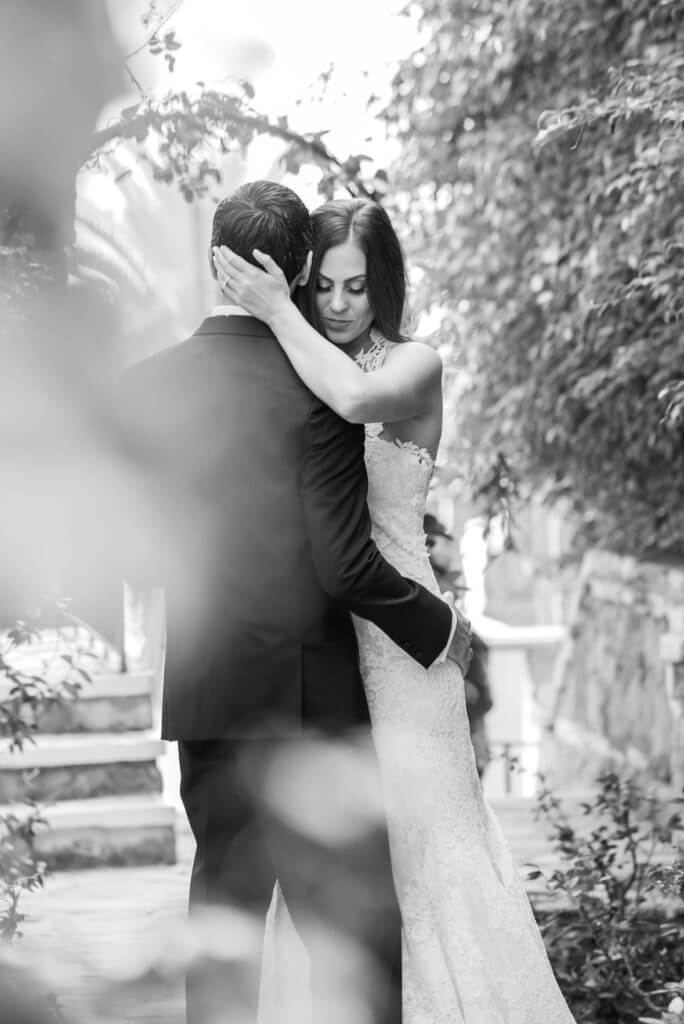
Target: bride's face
(342, 294)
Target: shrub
(615, 937)
(26, 695)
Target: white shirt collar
(229, 311)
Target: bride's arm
(406, 386)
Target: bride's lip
(337, 323)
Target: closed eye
(324, 286)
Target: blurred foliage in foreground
(58, 305)
(611, 916)
(543, 145)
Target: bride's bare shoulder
(417, 356)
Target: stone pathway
(103, 925)
(86, 926)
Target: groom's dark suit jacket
(246, 498)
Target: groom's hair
(267, 216)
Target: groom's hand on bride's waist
(459, 649)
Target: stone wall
(530, 585)
(618, 688)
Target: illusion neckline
(371, 359)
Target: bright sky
(282, 48)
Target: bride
(472, 952)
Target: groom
(254, 494)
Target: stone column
(672, 653)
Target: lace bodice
(399, 474)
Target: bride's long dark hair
(366, 223)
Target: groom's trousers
(299, 811)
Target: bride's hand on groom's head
(261, 294)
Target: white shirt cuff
(441, 658)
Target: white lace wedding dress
(472, 951)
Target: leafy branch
(152, 40)
(26, 693)
(187, 132)
(21, 869)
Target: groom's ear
(302, 277)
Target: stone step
(45, 650)
(109, 831)
(524, 808)
(113, 702)
(519, 816)
(68, 766)
(109, 700)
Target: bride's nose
(338, 301)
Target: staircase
(93, 771)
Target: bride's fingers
(228, 289)
(224, 280)
(249, 285)
(244, 273)
(268, 263)
(226, 262)
(234, 262)
(223, 268)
